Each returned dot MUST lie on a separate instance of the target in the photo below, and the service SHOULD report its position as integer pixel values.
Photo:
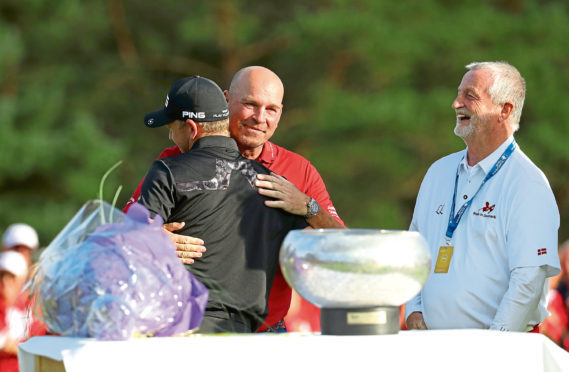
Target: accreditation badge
(443, 259)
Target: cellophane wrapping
(113, 276)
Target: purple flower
(121, 279)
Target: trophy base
(381, 320)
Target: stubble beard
(466, 131)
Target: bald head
(255, 104)
(253, 76)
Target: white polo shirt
(511, 223)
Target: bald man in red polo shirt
(255, 106)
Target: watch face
(313, 208)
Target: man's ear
(226, 94)
(194, 127)
(506, 111)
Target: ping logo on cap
(193, 115)
(167, 99)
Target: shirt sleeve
(414, 305)
(521, 299)
(158, 192)
(419, 204)
(134, 197)
(170, 151)
(316, 189)
(533, 223)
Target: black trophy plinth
(362, 321)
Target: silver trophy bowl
(357, 277)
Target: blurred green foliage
(368, 89)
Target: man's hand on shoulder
(285, 193)
(289, 198)
(187, 247)
(415, 321)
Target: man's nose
(457, 103)
(260, 115)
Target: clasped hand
(286, 195)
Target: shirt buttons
(465, 197)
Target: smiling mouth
(253, 129)
(461, 118)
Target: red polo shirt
(300, 172)
(306, 178)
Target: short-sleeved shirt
(211, 189)
(298, 170)
(306, 178)
(511, 223)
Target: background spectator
(13, 318)
(17, 324)
(21, 238)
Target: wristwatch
(313, 208)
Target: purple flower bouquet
(115, 280)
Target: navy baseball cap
(196, 98)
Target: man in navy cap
(255, 99)
(211, 188)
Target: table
(449, 350)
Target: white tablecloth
(453, 350)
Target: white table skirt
(451, 350)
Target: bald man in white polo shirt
(489, 216)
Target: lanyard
(454, 220)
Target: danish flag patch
(541, 251)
